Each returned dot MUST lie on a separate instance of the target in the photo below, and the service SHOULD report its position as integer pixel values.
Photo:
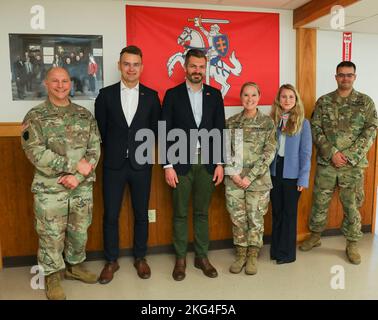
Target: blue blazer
(297, 161)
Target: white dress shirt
(195, 99)
(196, 104)
(129, 101)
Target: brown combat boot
(352, 252)
(251, 266)
(53, 289)
(241, 259)
(78, 272)
(311, 242)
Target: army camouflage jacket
(345, 124)
(259, 147)
(55, 139)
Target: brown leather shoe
(206, 267)
(179, 270)
(108, 271)
(142, 267)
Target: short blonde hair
(249, 84)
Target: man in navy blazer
(121, 110)
(193, 105)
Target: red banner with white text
(241, 46)
(347, 46)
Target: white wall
(364, 55)
(106, 18)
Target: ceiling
(272, 4)
(359, 17)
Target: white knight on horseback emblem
(216, 49)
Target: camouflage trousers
(61, 221)
(247, 210)
(351, 192)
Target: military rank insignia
(25, 135)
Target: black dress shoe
(284, 261)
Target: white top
(129, 101)
(282, 140)
(281, 149)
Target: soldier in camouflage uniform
(62, 141)
(247, 192)
(344, 125)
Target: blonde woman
(247, 192)
(290, 171)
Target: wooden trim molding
(10, 129)
(374, 214)
(306, 67)
(306, 86)
(316, 9)
(1, 258)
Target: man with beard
(193, 105)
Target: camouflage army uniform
(54, 140)
(347, 125)
(248, 207)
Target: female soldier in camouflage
(247, 192)
(290, 171)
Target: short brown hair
(194, 53)
(132, 50)
(348, 64)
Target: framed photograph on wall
(31, 55)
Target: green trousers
(197, 182)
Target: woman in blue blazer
(290, 171)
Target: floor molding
(22, 261)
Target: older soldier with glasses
(344, 125)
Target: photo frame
(31, 55)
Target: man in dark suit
(121, 110)
(193, 105)
(20, 77)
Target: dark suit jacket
(178, 114)
(117, 137)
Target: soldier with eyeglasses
(343, 124)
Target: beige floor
(310, 277)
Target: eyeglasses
(345, 75)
